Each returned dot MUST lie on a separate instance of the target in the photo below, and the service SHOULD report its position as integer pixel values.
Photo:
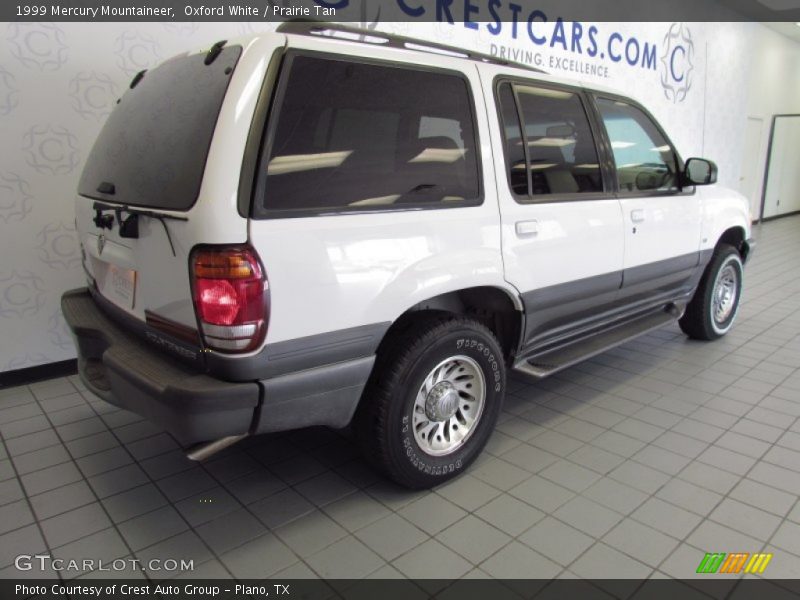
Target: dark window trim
(606, 194)
(594, 96)
(258, 212)
(252, 152)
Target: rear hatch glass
(153, 148)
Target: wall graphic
(58, 83)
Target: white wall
(773, 88)
(58, 82)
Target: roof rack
(367, 36)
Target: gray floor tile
(355, 511)
(61, 500)
(75, 524)
(348, 558)
(517, 561)
(745, 518)
(641, 542)
(153, 527)
(105, 545)
(135, 502)
(116, 481)
(432, 513)
(281, 508)
(689, 496)
(103, 461)
(231, 531)
(602, 560)
(468, 492)
(556, 540)
(596, 459)
(41, 459)
(728, 460)
(207, 506)
(473, 539)
(588, 516)
(615, 495)
(509, 514)
(152, 446)
(710, 535)
(310, 533)
(325, 488)
(530, 458)
(10, 491)
(255, 485)
(541, 493)
(50, 478)
(391, 536)
(711, 478)
(639, 476)
(22, 427)
(569, 475)
(764, 497)
(15, 515)
(184, 546)
(259, 558)
(186, 483)
(432, 560)
(499, 473)
(666, 517)
(91, 444)
(31, 442)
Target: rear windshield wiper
(129, 226)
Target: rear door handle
(527, 227)
(637, 215)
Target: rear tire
(712, 311)
(432, 401)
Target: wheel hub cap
(442, 401)
(448, 405)
(724, 297)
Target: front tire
(712, 311)
(432, 401)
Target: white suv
(296, 229)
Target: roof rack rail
(368, 36)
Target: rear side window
(644, 158)
(154, 146)
(557, 142)
(353, 136)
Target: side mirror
(699, 171)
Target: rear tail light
(231, 297)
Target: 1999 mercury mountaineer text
(318, 227)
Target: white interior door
(783, 182)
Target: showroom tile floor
(631, 465)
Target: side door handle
(637, 215)
(524, 228)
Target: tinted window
(515, 151)
(355, 136)
(561, 148)
(154, 146)
(644, 158)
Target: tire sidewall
(417, 464)
(729, 258)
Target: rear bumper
(124, 371)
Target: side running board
(547, 362)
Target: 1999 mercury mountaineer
(316, 227)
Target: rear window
(354, 136)
(154, 146)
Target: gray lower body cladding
(123, 369)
